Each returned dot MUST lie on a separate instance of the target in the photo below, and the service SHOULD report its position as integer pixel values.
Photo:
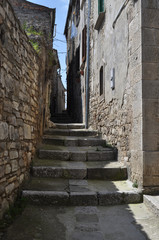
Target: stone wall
(117, 113)
(38, 21)
(19, 104)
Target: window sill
(99, 21)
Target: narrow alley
(79, 135)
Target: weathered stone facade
(117, 113)
(123, 82)
(22, 100)
(38, 21)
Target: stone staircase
(75, 167)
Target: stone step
(76, 153)
(79, 170)
(152, 202)
(80, 192)
(70, 126)
(71, 132)
(73, 141)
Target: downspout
(88, 63)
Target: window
(101, 14)
(101, 82)
(84, 44)
(100, 6)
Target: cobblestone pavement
(124, 222)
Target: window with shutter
(100, 6)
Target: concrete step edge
(108, 155)
(83, 198)
(119, 173)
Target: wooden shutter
(84, 43)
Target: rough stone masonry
(19, 106)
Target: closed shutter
(84, 43)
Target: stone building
(123, 78)
(25, 83)
(38, 22)
(57, 101)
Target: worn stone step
(73, 141)
(70, 126)
(80, 192)
(70, 132)
(152, 202)
(89, 153)
(79, 170)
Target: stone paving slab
(71, 132)
(126, 222)
(152, 202)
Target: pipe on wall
(88, 63)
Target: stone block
(9, 188)
(148, 36)
(75, 173)
(3, 131)
(150, 116)
(47, 197)
(93, 156)
(47, 172)
(78, 156)
(149, 4)
(27, 131)
(151, 168)
(53, 154)
(13, 154)
(110, 198)
(150, 18)
(7, 169)
(133, 197)
(150, 71)
(150, 89)
(83, 199)
(87, 235)
(107, 173)
(14, 165)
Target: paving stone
(87, 218)
(83, 199)
(81, 235)
(88, 227)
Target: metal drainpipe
(88, 62)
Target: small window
(101, 87)
(100, 6)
